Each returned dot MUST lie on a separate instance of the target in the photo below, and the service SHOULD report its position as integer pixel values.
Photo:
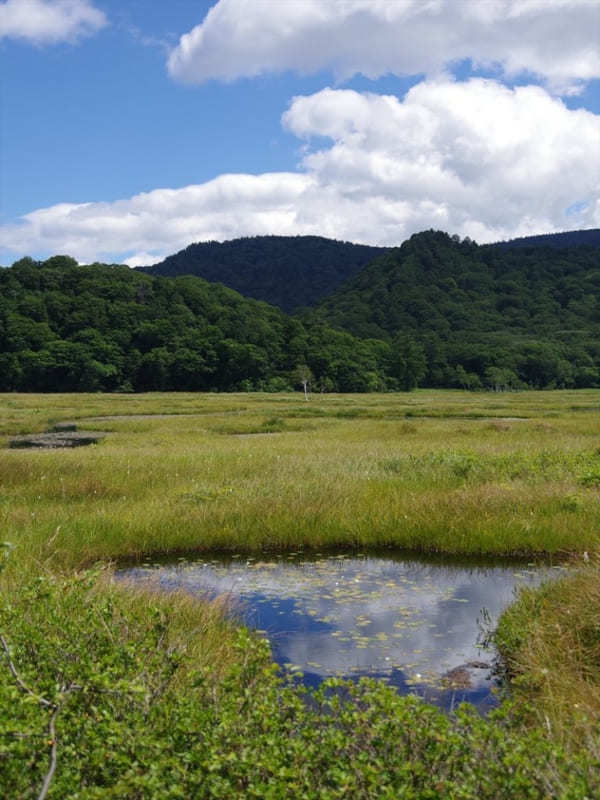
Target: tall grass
(227, 473)
(550, 639)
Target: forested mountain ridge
(286, 271)
(66, 327)
(436, 311)
(524, 315)
(294, 272)
(582, 238)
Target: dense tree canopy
(286, 271)
(484, 315)
(65, 327)
(294, 272)
(436, 311)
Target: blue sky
(364, 120)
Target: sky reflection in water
(412, 623)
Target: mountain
(584, 238)
(295, 272)
(436, 311)
(530, 314)
(286, 271)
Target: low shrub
(100, 697)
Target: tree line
(435, 312)
(66, 327)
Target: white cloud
(554, 39)
(144, 259)
(49, 21)
(156, 223)
(473, 158)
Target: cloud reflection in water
(407, 621)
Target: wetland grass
(550, 640)
(203, 479)
(443, 472)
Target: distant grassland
(435, 471)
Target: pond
(418, 624)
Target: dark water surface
(414, 623)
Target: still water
(417, 624)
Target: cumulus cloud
(473, 158)
(49, 21)
(151, 225)
(554, 39)
(476, 158)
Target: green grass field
(431, 471)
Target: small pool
(418, 624)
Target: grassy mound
(550, 640)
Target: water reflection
(413, 623)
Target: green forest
(435, 312)
(482, 315)
(65, 327)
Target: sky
(131, 128)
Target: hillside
(294, 272)
(436, 312)
(482, 314)
(286, 271)
(65, 327)
(584, 238)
